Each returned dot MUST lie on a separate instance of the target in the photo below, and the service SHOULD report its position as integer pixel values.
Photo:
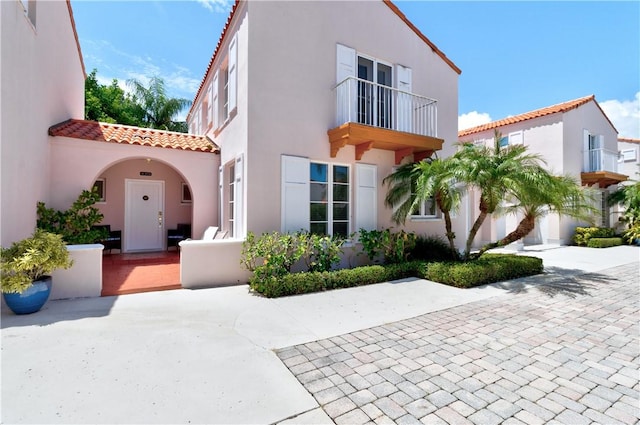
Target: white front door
(144, 215)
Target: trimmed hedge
(489, 268)
(486, 269)
(604, 242)
(583, 234)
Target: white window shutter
(366, 207)
(516, 138)
(221, 195)
(233, 74)
(346, 63)
(238, 197)
(214, 99)
(346, 93)
(295, 194)
(404, 107)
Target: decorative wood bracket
(362, 148)
(401, 153)
(419, 156)
(336, 145)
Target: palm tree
(412, 184)
(497, 172)
(539, 195)
(158, 109)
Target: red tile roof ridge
(234, 8)
(628, 140)
(125, 134)
(548, 110)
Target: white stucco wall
(75, 164)
(41, 84)
(291, 76)
(630, 168)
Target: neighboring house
(574, 138)
(42, 82)
(629, 158)
(312, 105)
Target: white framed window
(198, 116)
(225, 92)
(100, 186)
(329, 199)
(426, 210)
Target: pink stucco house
(293, 127)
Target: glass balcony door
(375, 97)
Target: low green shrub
(583, 234)
(488, 268)
(306, 282)
(604, 242)
(632, 234)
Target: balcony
(601, 168)
(370, 115)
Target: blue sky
(514, 56)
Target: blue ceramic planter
(30, 300)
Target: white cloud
(473, 119)
(625, 116)
(218, 6)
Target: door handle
(159, 218)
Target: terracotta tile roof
(125, 134)
(392, 6)
(624, 139)
(554, 109)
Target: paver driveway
(564, 351)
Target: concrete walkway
(207, 356)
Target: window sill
(424, 218)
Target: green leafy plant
(272, 254)
(604, 242)
(632, 234)
(31, 259)
(322, 252)
(393, 246)
(75, 224)
(583, 234)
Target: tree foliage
(144, 107)
(508, 179)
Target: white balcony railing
(601, 160)
(368, 103)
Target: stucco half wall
(76, 163)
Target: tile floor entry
(140, 272)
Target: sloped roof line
(126, 134)
(75, 34)
(549, 110)
(389, 3)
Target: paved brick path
(567, 351)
